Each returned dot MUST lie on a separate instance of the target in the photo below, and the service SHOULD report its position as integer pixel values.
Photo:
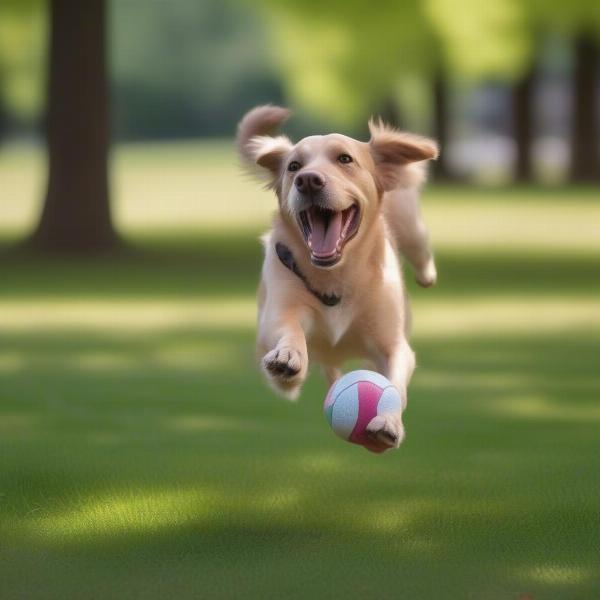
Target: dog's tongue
(324, 239)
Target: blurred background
(140, 452)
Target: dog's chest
(365, 310)
(336, 321)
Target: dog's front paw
(386, 431)
(427, 276)
(286, 368)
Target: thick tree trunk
(441, 123)
(585, 130)
(523, 125)
(76, 215)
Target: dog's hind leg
(403, 217)
(332, 374)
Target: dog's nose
(309, 181)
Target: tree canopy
(22, 42)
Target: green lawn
(141, 455)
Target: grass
(141, 455)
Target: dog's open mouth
(327, 231)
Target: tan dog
(331, 286)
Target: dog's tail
(262, 120)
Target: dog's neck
(351, 274)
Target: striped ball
(354, 400)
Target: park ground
(141, 455)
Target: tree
(523, 124)
(3, 117)
(21, 60)
(76, 215)
(342, 60)
(490, 41)
(441, 122)
(579, 21)
(585, 129)
(346, 61)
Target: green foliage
(483, 39)
(566, 17)
(187, 68)
(22, 57)
(339, 59)
(182, 68)
(179, 69)
(342, 59)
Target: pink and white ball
(354, 400)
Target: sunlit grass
(480, 315)
(559, 574)
(208, 423)
(149, 511)
(129, 316)
(540, 409)
(122, 514)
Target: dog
(332, 288)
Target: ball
(354, 400)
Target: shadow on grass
(228, 263)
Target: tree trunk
(76, 215)
(585, 130)
(441, 169)
(390, 112)
(3, 117)
(523, 125)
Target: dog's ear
(392, 150)
(255, 144)
(269, 152)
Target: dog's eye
(344, 159)
(294, 166)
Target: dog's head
(330, 186)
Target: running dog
(332, 286)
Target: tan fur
(254, 142)
(371, 322)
